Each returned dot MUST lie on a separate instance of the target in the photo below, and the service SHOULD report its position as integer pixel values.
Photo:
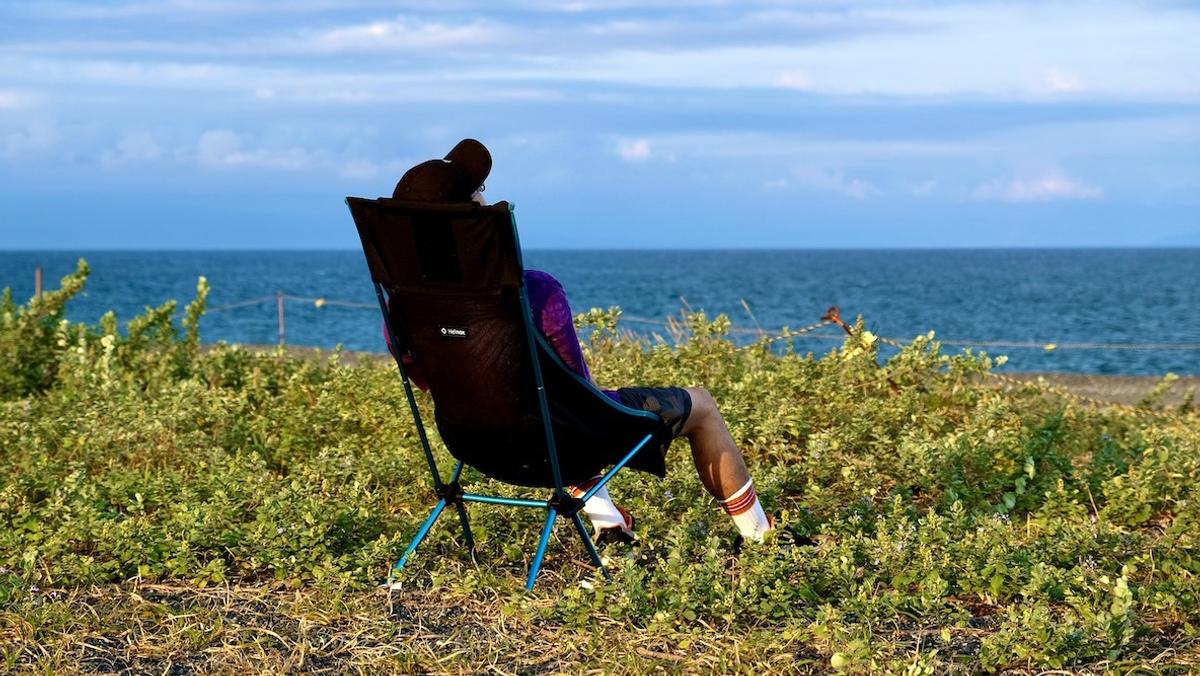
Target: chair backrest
(454, 283)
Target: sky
(243, 124)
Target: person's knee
(702, 401)
(704, 409)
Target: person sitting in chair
(689, 412)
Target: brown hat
(453, 179)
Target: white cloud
(634, 150)
(1127, 50)
(829, 180)
(219, 148)
(793, 79)
(405, 34)
(365, 169)
(1062, 82)
(816, 148)
(195, 8)
(10, 99)
(35, 137)
(1045, 188)
(135, 147)
(923, 189)
(280, 83)
(68, 75)
(359, 169)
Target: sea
(1100, 311)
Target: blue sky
(659, 123)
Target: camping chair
(450, 285)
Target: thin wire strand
(674, 326)
(319, 302)
(243, 303)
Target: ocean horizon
(1076, 299)
(1066, 247)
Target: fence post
(37, 281)
(279, 304)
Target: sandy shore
(1115, 388)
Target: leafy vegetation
(223, 508)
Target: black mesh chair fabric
(453, 279)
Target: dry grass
(176, 629)
(285, 628)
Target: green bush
(935, 514)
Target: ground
(179, 509)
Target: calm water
(1061, 296)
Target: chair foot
(587, 543)
(466, 527)
(541, 550)
(421, 533)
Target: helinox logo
(453, 331)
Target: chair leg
(587, 543)
(462, 513)
(466, 526)
(421, 533)
(541, 550)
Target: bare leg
(718, 460)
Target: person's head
(458, 177)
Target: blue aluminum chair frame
(560, 503)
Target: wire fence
(315, 301)
(676, 327)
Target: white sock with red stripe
(747, 512)
(599, 508)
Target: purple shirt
(551, 315)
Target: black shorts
(672, 405)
